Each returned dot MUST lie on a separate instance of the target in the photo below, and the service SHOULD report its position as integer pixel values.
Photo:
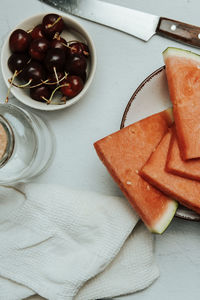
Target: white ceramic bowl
(74, 31)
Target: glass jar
(26, 145)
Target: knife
(139, 24)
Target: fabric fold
(65, 244)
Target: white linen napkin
(65, 244)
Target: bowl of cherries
(48, 61)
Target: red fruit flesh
(185, 191)
(183, 77)
(124, 154)
(175, 165)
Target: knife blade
(139, 24)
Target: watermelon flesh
(183, 77)
(124, 153)
(175, 164)
(186, 191)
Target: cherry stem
(73, 41)
(56, 21)
(65, 45)
(56, 82)
(28, 87)
(56, 75)
(23, 85)
(36, 85)
(86, 53)
(52, 94)
(11, 84)
(60, 103)
(45, 99)
(56, 36)
(64, 99)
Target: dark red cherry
(52, 80)
(35, 72)
(85, 49)
(40, 92)
(79, 48)
(83, 76)
(17, 61)
(19, 41)
(55, 59)
(38, 48)
(76, 64)
(37, 32)
(74, 84)
(59, 43)
(52, 23)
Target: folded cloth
(65, 244)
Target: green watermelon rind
(172, 51)
(166, 219)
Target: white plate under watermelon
(149, 98)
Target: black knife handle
(179, 31)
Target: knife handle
(179, 31)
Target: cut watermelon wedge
(124, 153)
(186, 191)
(183, 76)
(175, 165)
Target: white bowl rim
(40, 105)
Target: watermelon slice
(124, 153)
(175, 164)
(183, 76)
(186, 191)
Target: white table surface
(123, 62)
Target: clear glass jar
(27, 145)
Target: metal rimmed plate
(151, 97)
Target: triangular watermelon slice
(183, 76)
(175, 165)
(124, 153)
(184, 190)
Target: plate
(151, 97)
